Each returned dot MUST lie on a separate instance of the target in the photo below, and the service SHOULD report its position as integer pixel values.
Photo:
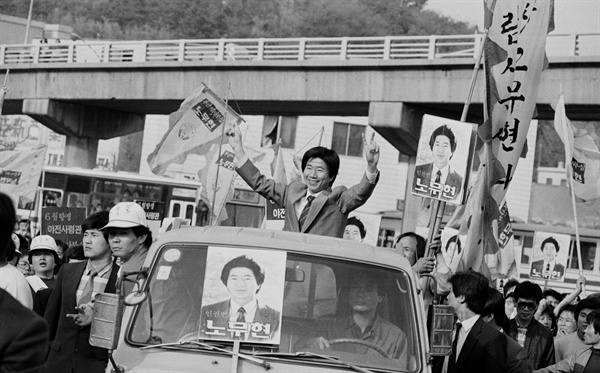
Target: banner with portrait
(443, 159)
(549, 256)
(242, 297)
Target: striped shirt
(100, 280)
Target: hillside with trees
(200, 19)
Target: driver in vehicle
(364, 330)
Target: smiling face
(442, 151)
(549, 251)
(94, 245)
(364, 297)
(42, 262)
(351, 232)
(316, 175)
(123, 242)
(242, 285)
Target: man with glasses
(535, 338)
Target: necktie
(438, 177)
(548, 267)
(86, 295)
(454, 354)
(241, 315)
(304, 212)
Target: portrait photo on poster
(549, 256)
(443, 159)
(243, 295)
(362, 227)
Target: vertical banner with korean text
(514, 60)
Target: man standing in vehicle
(313, 205)
(129, 237)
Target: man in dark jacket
(77, 283)
(534, 337)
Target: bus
(99, 190)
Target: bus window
(588, 255)
(189, 212)
(175, 209)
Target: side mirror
(294, 275)
(106, 323)
(441, 332)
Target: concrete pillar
(400, 124)
(81, 152)
(130, 152)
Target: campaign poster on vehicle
(443, 159)
(363, 227)
(549, 256)
(243, 295)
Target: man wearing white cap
(43, 257)
(129, 237)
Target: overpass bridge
(98, 90)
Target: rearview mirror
(294, 275)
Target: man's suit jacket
(424, 171)
(219, 314)
(70, 350)
(23, 337)
(537, 270)
(328, 212)
(484, 350)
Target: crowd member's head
(442, 144)
(95, 243)
(493, 311)
(552, 297)
(548, 319)
(527, 296)
(549, 248)
(411, 245)
(243, 278)
(469, 291)
(320, 167)
(583, 308)
(8, 220)
(510, 286)
(566, 323)
(128, 231)
(74, 254)
(592, 331)
(61, 247)
(43, 256)
(355, 229)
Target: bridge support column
(400, 124)
(81, 152)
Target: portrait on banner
(443, 159)
(549, 256)
(243, 295)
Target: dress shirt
(548, 272)
(444, 170)
(100, 280)
(465, 328)
(249, 307)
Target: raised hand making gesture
(371, 150)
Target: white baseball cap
(126, 215)
(43, 242)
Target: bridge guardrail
(292, 49)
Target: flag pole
(3, 91)
(212, 210)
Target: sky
(570, 16)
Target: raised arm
(371, 150)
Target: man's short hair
(141, 230)
(552, 293)
(473, 286)
(96, 220)
(421, 244)
(495, 306)
(528, 290)
(330, 157)
(552, 241)
(593, 318)
(244, 262)
(591, 303)
(510, 284)
(353, 220)
(8, 218)
(443, 131)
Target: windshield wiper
(312, 354)
(209, 347)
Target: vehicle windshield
(362, 314)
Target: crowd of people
(46, 289)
